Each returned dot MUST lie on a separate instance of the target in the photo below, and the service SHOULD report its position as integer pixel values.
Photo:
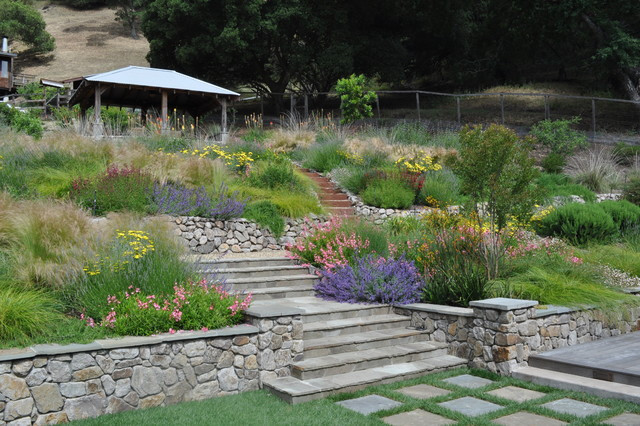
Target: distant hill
(87, 42)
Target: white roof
(156, 77)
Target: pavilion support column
(98, 130)
(143, 117)
(223, 121)
(165, 111)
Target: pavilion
(145, 88)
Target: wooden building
(6, 67)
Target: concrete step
(365, 359)
(560, 380)
(282, 292)
(326, 346)
(256, 271)
(244, 262)
(253, 283)
(316, 330)
(294, 390)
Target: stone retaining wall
(54, 384)
(203, 235)
(501, 334)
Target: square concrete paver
(468, 381)
(576, 408)
(423, 391)
(417, 417)
(517, 394)
(369, 404)
(470, 406)
(624, 419)
(523, 418)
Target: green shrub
(559, 136)
(440, 189)
(35, 91)
(25, 122)
(353, 180)
(355, 99)
(554, 163)
(266, 214)
(631, 191)
(388, 194)
(625, 215)
(25, 313)
(277, 174)
(557, 185)
(626, 153)
(324, 157)
(578, 223)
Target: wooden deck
(614, 359)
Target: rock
(94, 386)
(36, 377)
(206, 248)
(266, 360)
(122, 373)
(194, 349)
(177, 393)
(123, 387)
(228, 380)
(22, 368)
(16, 409)
(251, 362)
(13, 387)
(5, 367)
(283, 358)
(108, 384)
(73, 389)
(203, 391)
(87, 374)
(146, 381)
(152, 401)
(52, 419)
(85, 407)
(47, 398)
(170, 377)
(132, 398)
(248, 349)
(107, 364)
(236, 248)
(117, 405)
(125, 353)
(224, 247)
(160, 360)
(226, 360)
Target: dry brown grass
(87, 42)
(363, 146)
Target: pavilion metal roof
(160, 78)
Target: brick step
(365, 359)
(252, 283)
(342, 211)
(265, 294)
(256, 271)
(320, 329)
(330, 204)
(326, 346)
(328, 196)
(243, 262)
(294, 390)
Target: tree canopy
(22, 22)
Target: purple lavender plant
(372, 280)
(182, 201)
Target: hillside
(87, 42)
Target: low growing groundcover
(263, 408)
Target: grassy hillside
(87, 42)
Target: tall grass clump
(266, 214)
(26, 313)
(596, 169)
(557, 185)
(324, 157)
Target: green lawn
(262, 408)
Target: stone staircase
(335, 201)
(346, 346)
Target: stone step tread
(242, 260)
(354, 322)
(357, 338)
(323, 386)
(272, 290)
(249, 280)
(250, 269)
(368, 355)
(557, 379)
(311, 305)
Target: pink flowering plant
(191, 306)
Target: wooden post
(547, 113)
(306, 106)
(458, 109)
(593, 117)
(418, 104)
(143, 116)
(292, 104)
(165, 111)
(378, 107)
(261, 107)
(502, 107)
(223, 120)
(97, 105)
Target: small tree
(559, 136)
(128, 12)
(22, 22)
(355, 99)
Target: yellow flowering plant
(418, 163)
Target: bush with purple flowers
(372, 280)
(179, 200)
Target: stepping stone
(369, 404)
(573, 407)
(470, 406)
(624, 419)
(417, 417)
(468, 381)
(523, 418)
(517, 394)
(423, 391)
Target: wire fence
(604, 120)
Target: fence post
(547, 112)
(502, 108)
(292, 104)
(458, 110)
(306, 106)
(378, 107)
(418, 104)
(261, 107)
(593, 117)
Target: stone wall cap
(503, 304)
(15, 354)
(221, 332)
(55, 349)
(128, 342)
(273, 311)
(439, 309)
(549, 310)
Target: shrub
(25, 313)
(371, 280)
(355, 99)
(557, 185)
(119, 189)
(559, 136)
(454, 267)
(324, 158)
(388, 194)
(631, 191)
(440, 189)
(179, 200)
(277, 174)
(578, 224)
(554, 163)
(266, 214)
(193, 306)
(626, 154)
(625, 215)
(21, 121)
(596, 169)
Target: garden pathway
(331, 197)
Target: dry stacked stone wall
(54, 384)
